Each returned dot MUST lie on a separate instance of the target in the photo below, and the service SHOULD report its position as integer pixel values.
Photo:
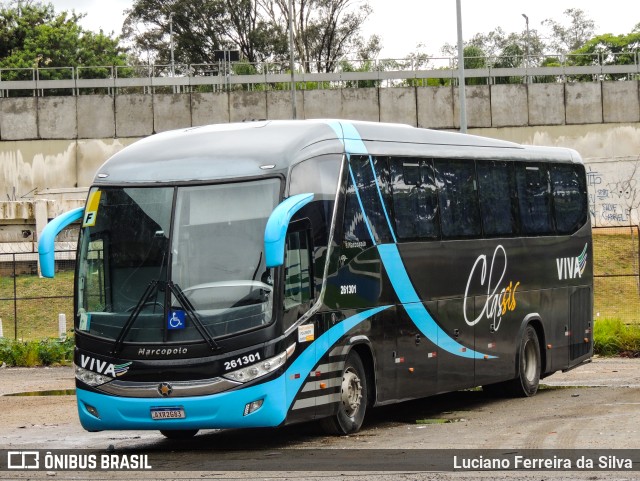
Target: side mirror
(276, 230)
(46, 242)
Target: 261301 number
(241, 361)
(348, 289)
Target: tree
(566, 39)
(257, 37)
(33, 35)
(609, 49)
(474, 58)
(198, 28)
(325, 30)
(502, 51)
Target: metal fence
(616, 252)
(225, 76)
(30, 306)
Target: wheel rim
(351, 392)
(530, 362)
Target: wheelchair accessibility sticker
(175, 320)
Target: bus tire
(353, 399)
(179, 433)
(529, 366)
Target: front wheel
(353, 399)
(529, 366)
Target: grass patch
(615, 253)
(45, 352)
(612, 337)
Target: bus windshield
(211, 259)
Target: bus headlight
(260, 369)
(91, 378)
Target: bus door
(415, 354)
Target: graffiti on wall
(614, 194)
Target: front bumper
(216, 411)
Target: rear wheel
(178, 433)
(353, 399)
(529, 366)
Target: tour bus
(264, 273)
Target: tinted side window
(415, 202)
(495, 190)
(534, 199)
(297, 289)
(354, 230)
(569, 197)
(457, 196)
(370, 192)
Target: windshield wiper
(188, 307)
(184, 302)
(148, 292)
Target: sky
(403, 24)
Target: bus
(271, 272)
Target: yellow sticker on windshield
(91, 211)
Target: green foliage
(612, 337)
(547, 62)
(33, 35)
(474, 58)
(608, 49)
(36, 353)
(365, 66)
(512, 57)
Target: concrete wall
(139, 115)
(30, 166)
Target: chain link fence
(30, 306)
(616, 275)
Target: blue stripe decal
(393, 264)
(306, 361)
(413, 305)
(364, 214)
(384, 208)
(349, 136)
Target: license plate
(168, 413)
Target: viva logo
(572, 267)
(103, 367)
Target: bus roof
(251, 149)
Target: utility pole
(291, 64)
(173, 70)
(526, 62)
(461, 83)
